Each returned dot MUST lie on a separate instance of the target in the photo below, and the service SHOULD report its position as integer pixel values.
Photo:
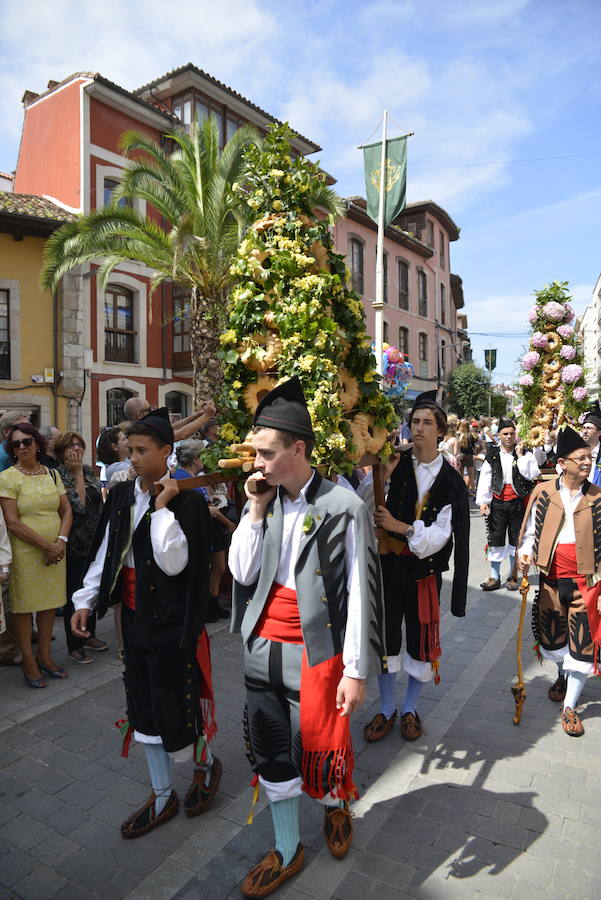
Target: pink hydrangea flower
(530, 360)
(554, 311)
(566, 331)
(570, 374)
(517, 409)
(526, 380)
(568, 314)
(540, 340)
(533, 315)
(567, 352)
(580, 393)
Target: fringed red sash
(128, 596)
(207, 697)
(564, 565)
(428, 613)
(328, 759)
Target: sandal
(198, 796)
(338, 829)
(268, 875)
(379, 727)
(59, 672)
(35, 682)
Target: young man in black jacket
(426, 508)
(150, 552)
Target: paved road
(478, 808)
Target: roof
(190, 67)
(358, 205)
(7, 175)
(432, 207)
(30, 214)
(30, 97)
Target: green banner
(396, 178)
(490, 359)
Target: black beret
(594, 415)
(569, 440)
(506, 423)
(285, 409)
(159, 422)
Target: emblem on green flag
(396, 178)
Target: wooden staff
(518, 688)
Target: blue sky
(493, 89)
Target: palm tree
(189, 237)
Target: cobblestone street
(476, 808)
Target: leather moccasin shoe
(145, 820)
(557, 691)
(411, 726)
(338, 829)
(491, 584)
(198, 796)
(378, 728)
(268, 875)
(571, 722)
(511, 584)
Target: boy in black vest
(426, 506)
(150, 552)
(507, 478)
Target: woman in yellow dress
(38, 516)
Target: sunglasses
(26, 442)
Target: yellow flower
(229, 337)
(277, 204)
(228, 433)
(236, 384)
(369, 376)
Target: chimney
(28, 97)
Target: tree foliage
(468, 391)
(188, 237)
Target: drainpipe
(55, 355)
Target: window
(191, 108)
(443, 305)
(109, 186)
(430, 233)
(177, 404)
(385, 279)
(4, 335)
(422, 293)
(231, 128)
(403, 284)
(356, 253)
(443, 358)
(404, 340)
(115, 401)
(441, 249)
(423, 355)
(385, 332)
(181, 321)
(119, 334)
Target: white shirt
(567, 534)
(169, 548)
(594, 457)
(527, 467)
(246, 555)
(428, 539)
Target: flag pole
(379, 301)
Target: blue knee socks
(159, 767)
(574, 689)
(414, 689)
(386, 686)
(284, 814)
(495, 569)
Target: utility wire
(502, 162)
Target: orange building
(133, 342)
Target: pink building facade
(421, 296)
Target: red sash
(327, 760)
(508, 493)
(564, 565)
(129, 587)
(428, 613)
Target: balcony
(119, 346)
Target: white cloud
(483, 12)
